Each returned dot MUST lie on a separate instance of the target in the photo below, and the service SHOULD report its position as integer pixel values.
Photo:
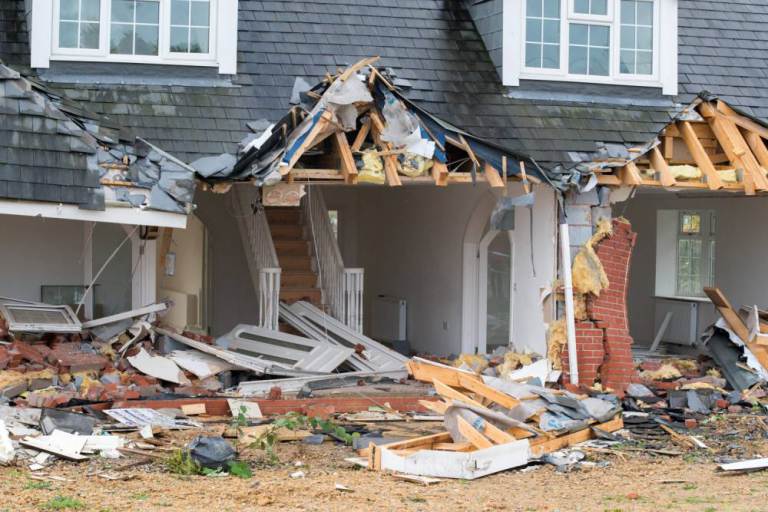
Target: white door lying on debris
(495, 294)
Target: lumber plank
(700, 155)
(426, 372)
(757, 144)
(660, 165)
(630, 175)
(440, 173)
(492, 176)
(497, 435)
(741, 120)
(482, 389)
(736, 324)
(348, 167)
(477, 439)
(357, 66)
(437, 406)
(390, 161)
(314, 137)
(450, 393)
(362, 133)
(453, 447)
(544, 445)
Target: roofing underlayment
(52, 149)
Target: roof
(52, 149)
(435, 48)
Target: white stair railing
(263, 264)
(342, 288)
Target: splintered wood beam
(362, 133)
(741, 120)
(660, 165)
(492, 176)
(390, 161)
(440, 173)
(757, 144)
(451, 394)
(630, 174)
(315, 136)
(471, 434)
(348, 167)
(699, 155)
(354, 68)
(497, 435)
(489, 393)
(734, 145)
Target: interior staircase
(298, 280)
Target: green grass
(63, 503)
(690, 486)
(141, 496)
(35, 485)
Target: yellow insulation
(588, 273)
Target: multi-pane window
(135, 27)
(695, 252)
(190, 25)
(542, 34)
(589, 49)
(636, 42)
(592, 38)
(79, 24)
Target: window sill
(133, 59)
(703, 299)
(591, 80)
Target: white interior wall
(741, 267)
(39, 251)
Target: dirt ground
(631, 482)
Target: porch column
(144, 261)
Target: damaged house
(423, 172)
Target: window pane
(579, 34)
(577, 60)
(146, 40)
(198, 40)
(628, 12)
(690, 223)
(644, 13)
(552, 9)
(68, 34)
(644, 38)
(90, 10)
(89, 35)
(628, 37)
(599, 61)
(644, 63)
(581, 6)
(200, 13)
(533, 8)
(627, 62)
(69, 10)
(179, 39)
(148, 12)
(122, 10)
(180, 12)
(551, 31)
(599, 35)
(121, 39)
(600, 7)
(533, 55)
(551, 57)
(533, 30)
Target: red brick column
(604, 344)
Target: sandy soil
(637, 483)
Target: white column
(144, 261)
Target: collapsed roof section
(356, 127)
(707, 146)
(53, 150)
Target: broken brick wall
(603, 342)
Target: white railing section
(260, 253)
(342, 288)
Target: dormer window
(600, 41)
(179, 32)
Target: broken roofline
(708, 145)
(453, 154)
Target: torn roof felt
(53, 149)
(392, 136)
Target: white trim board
(112, 214)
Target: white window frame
(222, 39)
(664, 36)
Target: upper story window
(186, 32)
(600, 41)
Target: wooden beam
(354, 68)
(700, 155)
(757, 144)
(741, 120)
(734, 145)
(362, 133)
(314, 137)
(492, 176)
(471, 434)
(660, 165)
(348, 167)
(544, 445)
(484, 390)
(630, 175)
(427, 372)
(497, 435)
(437, 406)
(451, 394)
(390, 161)
(440, 173)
